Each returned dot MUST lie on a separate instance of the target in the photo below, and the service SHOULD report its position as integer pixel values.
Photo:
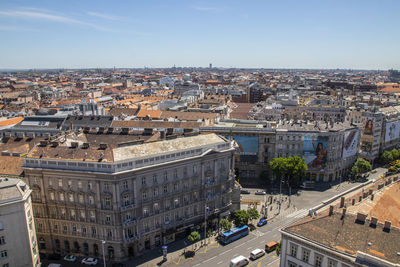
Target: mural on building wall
(392, 131)
(248, 147)
(314, 151)
(369, 126)
(350, 143)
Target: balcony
(127, 207)
(131, 238)
(129, 222)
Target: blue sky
(358, 34)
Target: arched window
(76, 247)
(110, 250)
(58, 247)
(95, 249)
(66, 246)
(86, 249)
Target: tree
(194, 237)
(395, 154)
(240, 217)
(253, 214)
(225, 224)
(278, 248)
(292, 168)
(387, 157)
(360, 166)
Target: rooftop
(348, 236)
(11, 189)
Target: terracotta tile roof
(153, 114)
(346, 235)
(189, 116)
(11, 165)
(11, 121)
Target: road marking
(249, 248)
(239, 245)
(225, 252)
(210, 259)
(220, 262)
(196, 265)
(273, 261)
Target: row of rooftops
(104, 158)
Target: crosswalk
(298, 214)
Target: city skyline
(289, 35)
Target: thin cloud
(105, 16)
(22, 14)
(9, 28)
(204, 8)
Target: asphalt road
(218, 255)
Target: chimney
(343, 213)
(74, 144)
(103, 146)
(387, 226)
(330, 210)
(43, 143)
(85, 145)
(374, 222)
(361, 218)
(54, 143)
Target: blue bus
(233, 234)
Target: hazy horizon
(358, 35)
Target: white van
(257, 253)
(239, 261)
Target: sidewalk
(178, 255)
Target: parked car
(257, 253)
(70, 258)
(244, 192)
(260, 193)
(54, 256)
(262, 222)
(271, 246)
(89, 261)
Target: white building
(18, 244)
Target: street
(219, 255)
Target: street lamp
(104, 255)
(205, 221)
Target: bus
(233, 234)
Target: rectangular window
(91, 200)
(318, 260)
(51, 195)
(61, 196)
(154, 178)
(143, 180)
(60, 183)
(332, 263)
(71, 197)
(2, 241)
(3, 254)
(306, 255)
(108, 218)
(144, 195)
(165, 176)
(89, 185)
(293, 250)
(81, 200)
(106, 187)
(73, 214)
(291, 264)
(126, 200)
(69, 183)
(108, 201)
(80, 184)
(165, 189)
(50, 182)
(125, 185)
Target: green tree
(253, 214)
(395, 154)
(194, 237)
(240, 217)
(360, 166)
(292, 168)
(225, 224)
(278, 248)
(387, 157)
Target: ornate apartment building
(133, 197)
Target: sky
(328, 34)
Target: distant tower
(210, 66)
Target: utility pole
(104, 255)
